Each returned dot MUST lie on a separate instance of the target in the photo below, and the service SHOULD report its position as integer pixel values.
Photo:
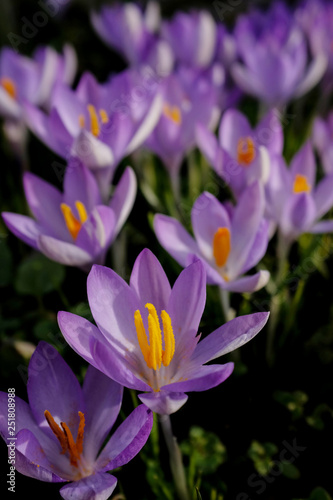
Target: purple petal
(228, 337)
(201, 378)
(127, 440)
(304, 163)
(323, 196)
(298, 214)
(95, 487)
(68, 254)
(234, 125)
(259, 247)
(91, 151)
(123, 198)
(96, 233)
(269, 132)
(23, 227)
(174, 238)
(149, 281)
(207, 142)
(315, 71)
(53, 386)
(248, 283)
(103, 399)
(164, 402)
(80, 185)
(324, 226)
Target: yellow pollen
(9, 86)
(104, 116)
(173, 113)
(66, 439)
(153, 352)
(73, 224)
(301, 184)
(246, 152)
(221, 246)
(94, 125)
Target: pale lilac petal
(129, 438)
(234, 125)
(201, 378)
(164, 402)
(269, 132)
(229, 337)
(322, 227)
(314, 73)
(259, 247)
(149, 281)
(95, 487)
(53, 386)
(68, 254)
(248, 283)
(304, 163)
(103, 399)
(23, 227)
(80, 185)
(245, 79)
(123, 198)
(97, 232)
(9, 107)
(207, 142)
(174, 238)
(298, 215)
(91, 151)
(323, 195)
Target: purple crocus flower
(99, 124)
(228, 240)
(294, 203)
(322, 134)
(191, 96)
(132, 33)
(274, 65)
(60, 432)
(193, 38)
(241, 154)
(126, 315)
(73, 227)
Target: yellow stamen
(246, 152)
(80, 433)
(9, 86)
(94, 125)
(56, 431)
(82, 121)
(173, 113)
(81, 209)
(301, 184)
(169, 339)
(104, 116)
(153, 352)
(73, 225)
(221, 246)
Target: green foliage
(292, 401)
(261, 455)
(205, 450)
(318, 494)
(38, 275)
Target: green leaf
(261, 455)
(289, 470)
(38, 275)
(320, 494)
(292, 401)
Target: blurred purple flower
(228, 240)
(126, 315)
(60, 433)
(322, 139)
(274, 64)
(294, 203)
(241, 154)
(74, 227)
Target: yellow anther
(246, 151)
(153, 352)
(94, 124)
(80, 433)
(301, 184)
(82, 121)
(104, 116)
(169, 339)
(173, 113)
(81, 209)
(221, 246)
(9, 86)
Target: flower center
(301, 184)
(65, 437)
(153, 352)
(9, 86)
(173, 113)
(246, 151)
(96, 119)
(73, 224)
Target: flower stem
(228, 312)
(175, 456)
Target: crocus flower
(228, 240)
(193, 37)
(190, 97)
(322, 134)
(293, 200)
(132, 33)
(274, 65)
(59, 434)
(73, 227)
(128, 344)
(99, 124)
(241, 154)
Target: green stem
(228, 312)
(175, 456)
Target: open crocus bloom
(146, 335)
(294, 202)
(60, 433)
(73, 227)
(241, 154)
(274, 63)
(96, 123)
(228, 240)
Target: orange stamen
(9, 86)
(246, 152)
(56, 431)
(173, 113)
(301, 184)
(221, 246)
